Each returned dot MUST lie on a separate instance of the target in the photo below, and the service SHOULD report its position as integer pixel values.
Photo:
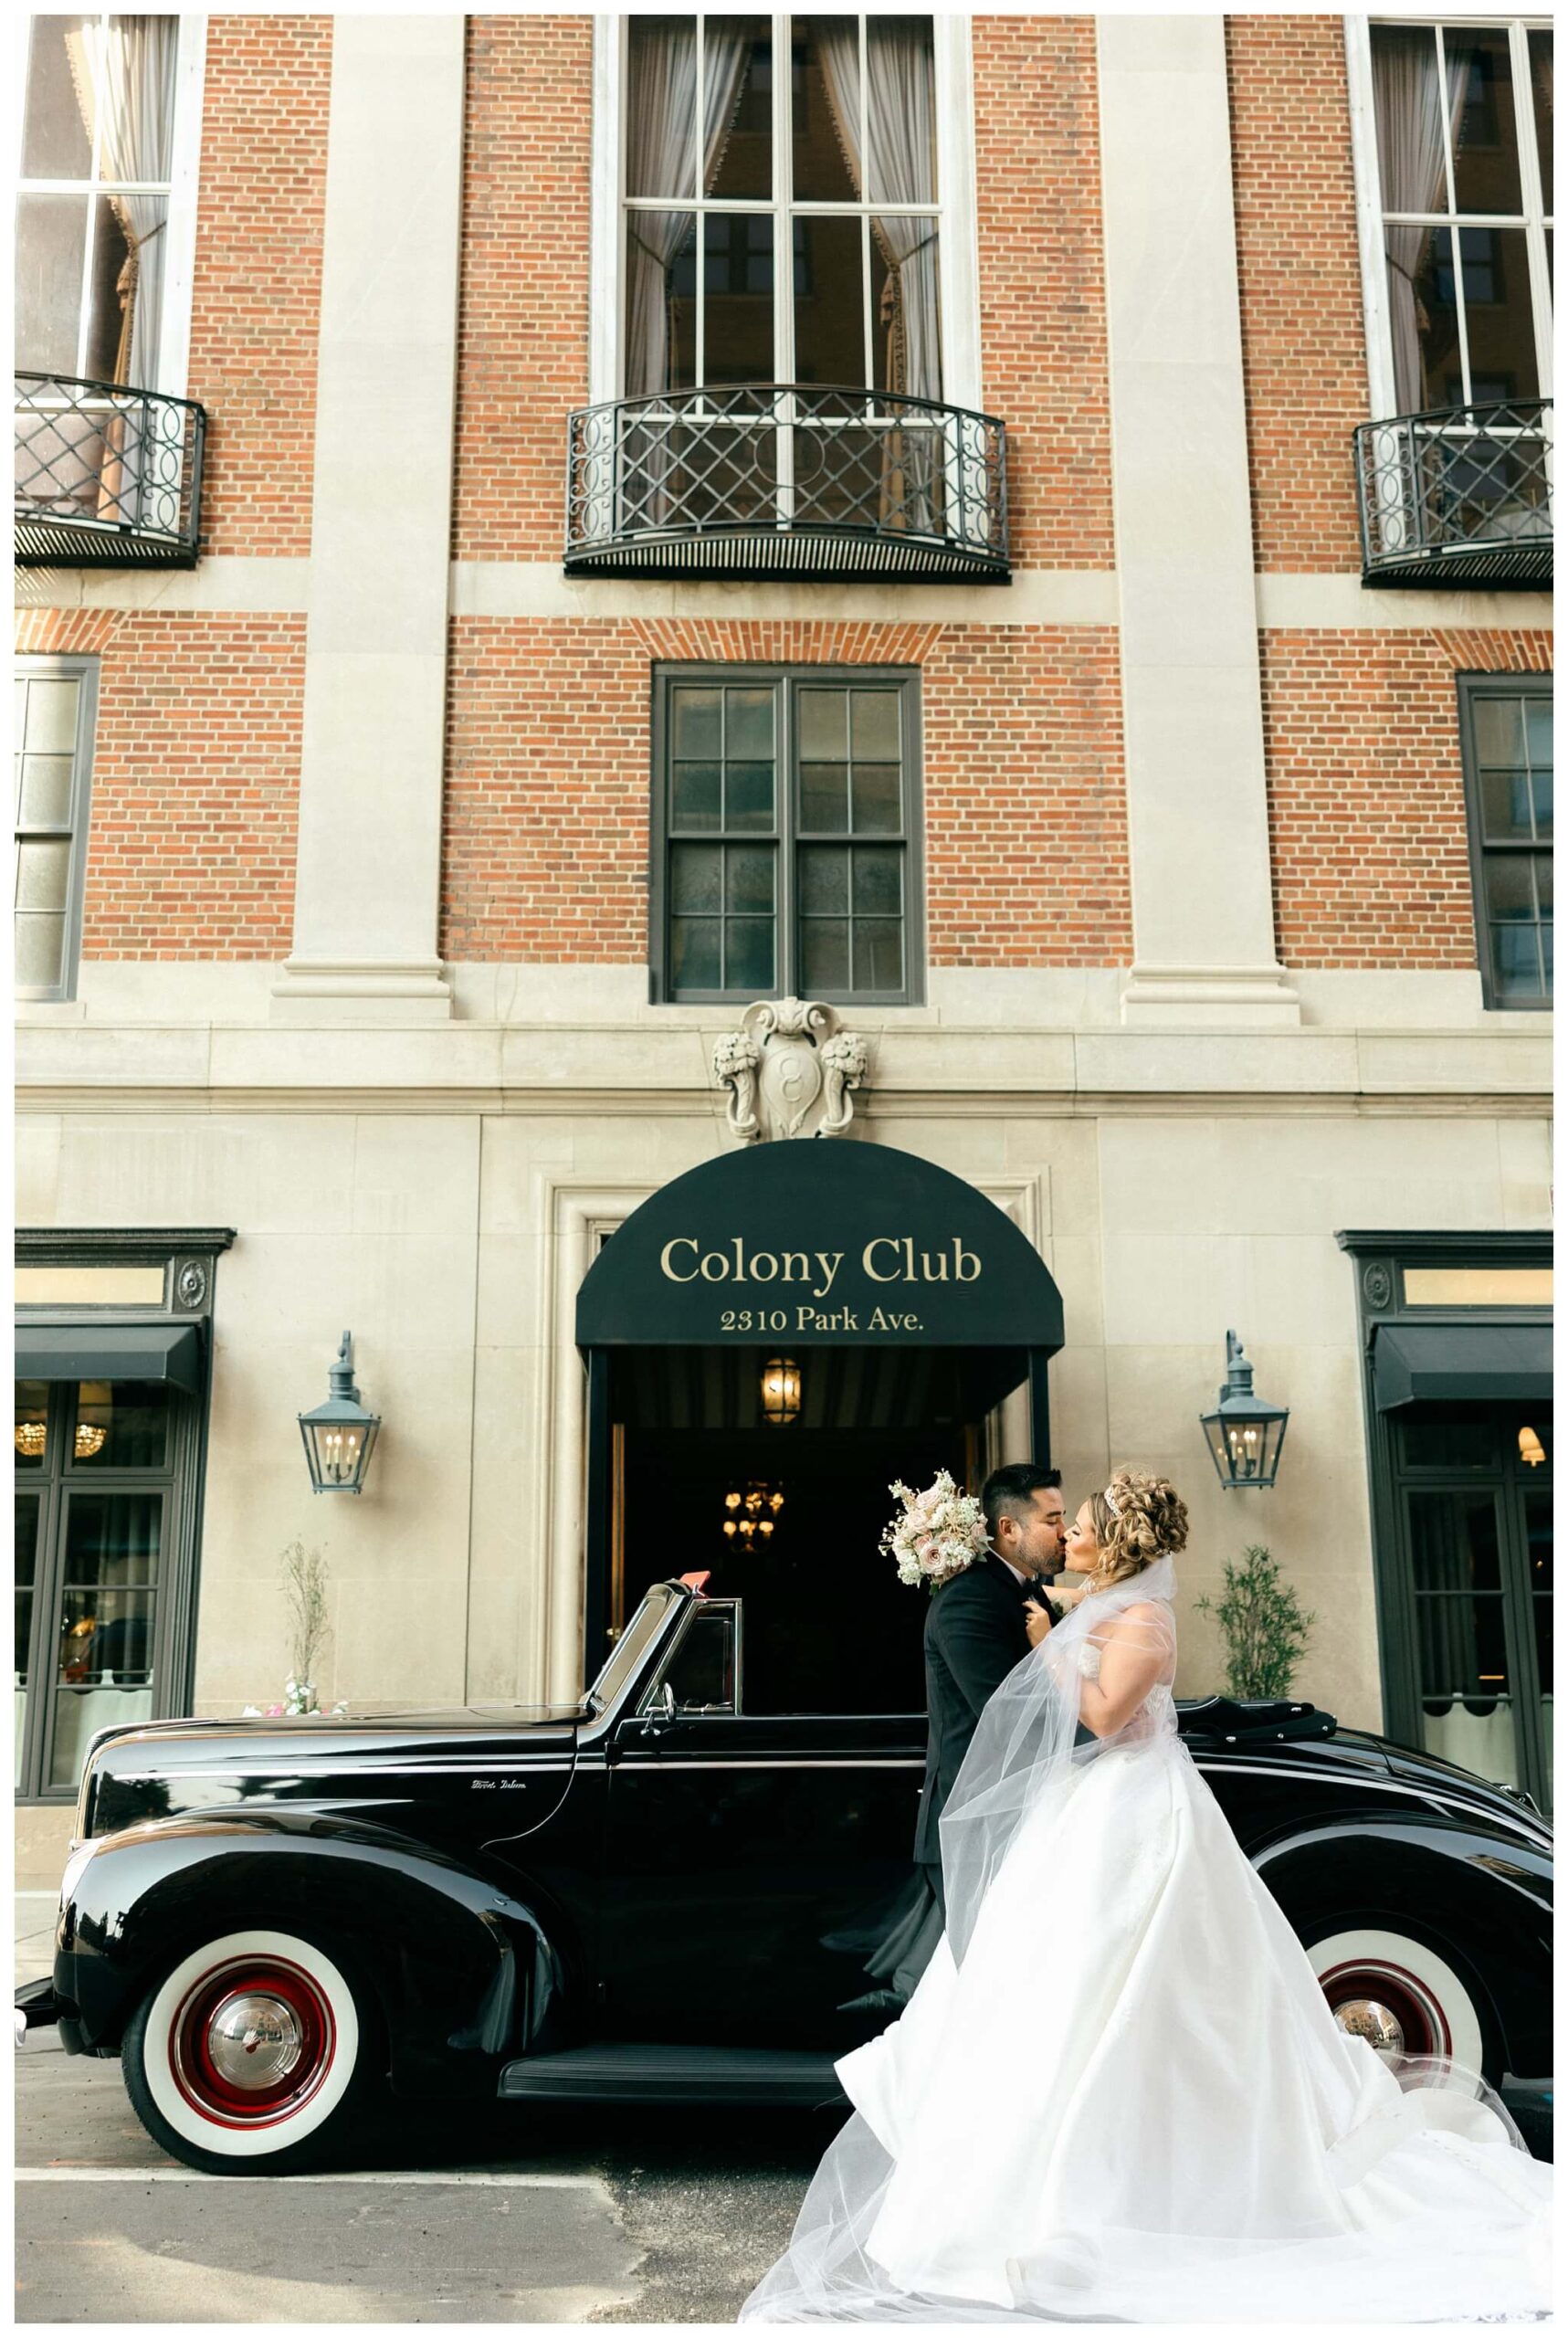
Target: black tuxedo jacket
(975, 1634)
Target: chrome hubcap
(255, 2039)
(1378, 2024)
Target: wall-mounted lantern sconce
(781, 1389)
(1532, 1452)
(339, 1435)
(1245, 1435)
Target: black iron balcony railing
(1459, 496)
(106, 477)
(781, 480)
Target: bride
(1177, 2130)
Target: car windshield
(631, 1648)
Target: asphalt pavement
(510, 2215)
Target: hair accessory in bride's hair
(1111, 1504)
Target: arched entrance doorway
(905, 1306)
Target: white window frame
(183, 188)
(1383, 401)
(958, 258)
(52, 668)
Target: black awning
(829, 1241)
(169, 1351)
(1416, 1364)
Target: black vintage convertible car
(657, 1895)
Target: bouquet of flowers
(936, 1534)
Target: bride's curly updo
(1137, 1520)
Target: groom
(976, 1631)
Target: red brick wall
(257, 286)
(1303, 339)
(522, 346)
(547, 788)
(1366, 792)
(1042, 282)
(195, 777)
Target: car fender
(465, 1973)
(1486, 1896)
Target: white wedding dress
(1173, 2128)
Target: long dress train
(1182, 2133)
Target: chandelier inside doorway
(751, 1511)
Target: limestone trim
(1191, 690)
(222, 583)
(576, 1217)
(233, 585)
(1342, 605)
(371, 769)
(537, 588)
(1527, 1102)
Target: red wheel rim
(1409, 2000)
(205, 2086)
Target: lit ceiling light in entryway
(781, 1389)
(1532, 1452)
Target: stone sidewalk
(34, 1933)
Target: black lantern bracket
(1245, 1435)
(340, 1436)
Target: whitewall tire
(1436, 2010)
(251, 2056)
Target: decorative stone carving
(791, 1070)
(1377, 1282)
(191, 1283)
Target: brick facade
(546, 819)
(1366, 792)
(547, 779)
(523, 350)
(1303, 340)
(1042, 286)
(257, 286)
(196, 776)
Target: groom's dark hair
(1008, 1492)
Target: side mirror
(662, 1713)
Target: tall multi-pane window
(95, 1477)
(1505, 722)
(785, 817)
(1475, 1497)
(782, 206)
(93, 205)
(52, 731)
(1463, 116)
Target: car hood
(169, 1768)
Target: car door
(753, 1860)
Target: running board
(653, 2073)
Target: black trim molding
(1382, 1259)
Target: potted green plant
(1264, 1625)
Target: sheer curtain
(661, 107)
(124, 77)
(1410, 146)
(898, 108)
(900, 131)
(125, 74)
